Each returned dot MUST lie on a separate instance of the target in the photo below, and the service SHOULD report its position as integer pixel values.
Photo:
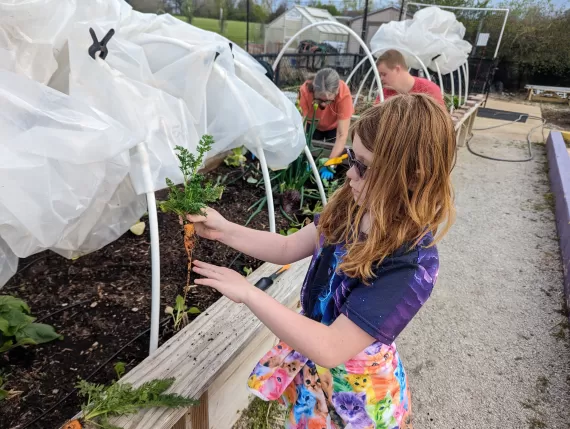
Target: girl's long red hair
(408, 190)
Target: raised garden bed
(103, 301)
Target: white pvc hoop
(452, 93)
(466, 74)
(351, 32)
(439, 77)
(154, 243)
(373, 67)
(154, 249)
(371, 90)
(153, 225)
(361, 86)
(261, 155)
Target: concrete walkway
(491, 347)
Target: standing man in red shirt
(397, 80)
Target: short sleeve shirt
(402, 284)
(421, 86)
(341, 108)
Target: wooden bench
(211, 359)
(553, 94)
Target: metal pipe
(501, 35)
(459, 81)
(457, 7)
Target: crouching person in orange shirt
(334, 108)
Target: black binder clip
(100, 46)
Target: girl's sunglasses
(353, 162)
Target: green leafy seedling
(120, 369)
(193, 198)
(7, 394)
(180, 312)
(118, 399)
(236, 158)
(17, 326)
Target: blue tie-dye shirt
(403, 283)
(370, 390)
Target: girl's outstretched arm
(262, 245)
(327, 346)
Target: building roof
(313, 14)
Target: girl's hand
(213, 226)
(228, 282)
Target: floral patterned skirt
(370, 391)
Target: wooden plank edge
(160, 418)
(229, 395)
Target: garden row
(95, 308)
(98, 306)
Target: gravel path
(491, 347)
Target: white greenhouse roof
(313, 14)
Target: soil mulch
(557, 114)
(104, 302)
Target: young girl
(374, 265)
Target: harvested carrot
(74, 424)
(193, 198)
(189, 243)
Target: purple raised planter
(559, 174)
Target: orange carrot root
(189, 243)
(74, 424)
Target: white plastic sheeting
(64, 170)
(69, 124)
(430, 33)
(32, 33)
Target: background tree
(330, 7)
(536, 41)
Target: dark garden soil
(104, 301)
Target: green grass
(235, 30)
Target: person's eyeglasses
(353, 162)
(325, 102)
